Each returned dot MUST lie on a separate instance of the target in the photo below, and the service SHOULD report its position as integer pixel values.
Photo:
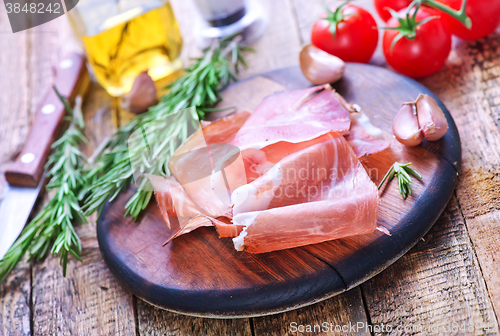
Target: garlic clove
(431, 118)
(405, 126)
(320, 67)
(141, 96)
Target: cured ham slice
(301, 176)
(331, 197)
(186, 199)
(193, 163)
(294, 116)
(281, 177)
(182, 215)
(365, 138)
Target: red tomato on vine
(348, 32)
(484, 16)
(417, 45)
(382, 5)
(478, 19)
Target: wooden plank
(155, 321)
(278, 47)
(14, 99)
(15, 291)
(343, 314)
(89, 301)
(468, 85)
(358, 258)
(482, 220)
(43, 42)
(96, 303)
(486, 229)
(201, 274)
(15, 116)
(28, 64)
(434, 285)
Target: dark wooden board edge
(373, 259)
(265, 300)
(430, 205)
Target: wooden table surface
(448, 281)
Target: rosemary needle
(74, 179)
(52, 229)
(200, 88)
(402, 172)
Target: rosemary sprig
(52, 227)
(402, 173)
(112, 171)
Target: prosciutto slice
(187, 199)
(284, 176)
(294, 116)
(364, 138)
(192, 164)
(179, 211)
(319, 193)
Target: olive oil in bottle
(124, 38)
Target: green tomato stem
(460, 15)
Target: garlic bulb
(141, 96)
(431, 118)
(419, 119)
(405, 126)
(320, 67)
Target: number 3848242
(33, 7)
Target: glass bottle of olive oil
(123, 38)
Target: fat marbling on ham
(281, 177)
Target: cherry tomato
(355, 38)
(484, 14)
(423, 55)
(382, 5)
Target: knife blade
(25, 177)
(16, 206)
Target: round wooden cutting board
(202, 275)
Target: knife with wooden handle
(25, 176)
